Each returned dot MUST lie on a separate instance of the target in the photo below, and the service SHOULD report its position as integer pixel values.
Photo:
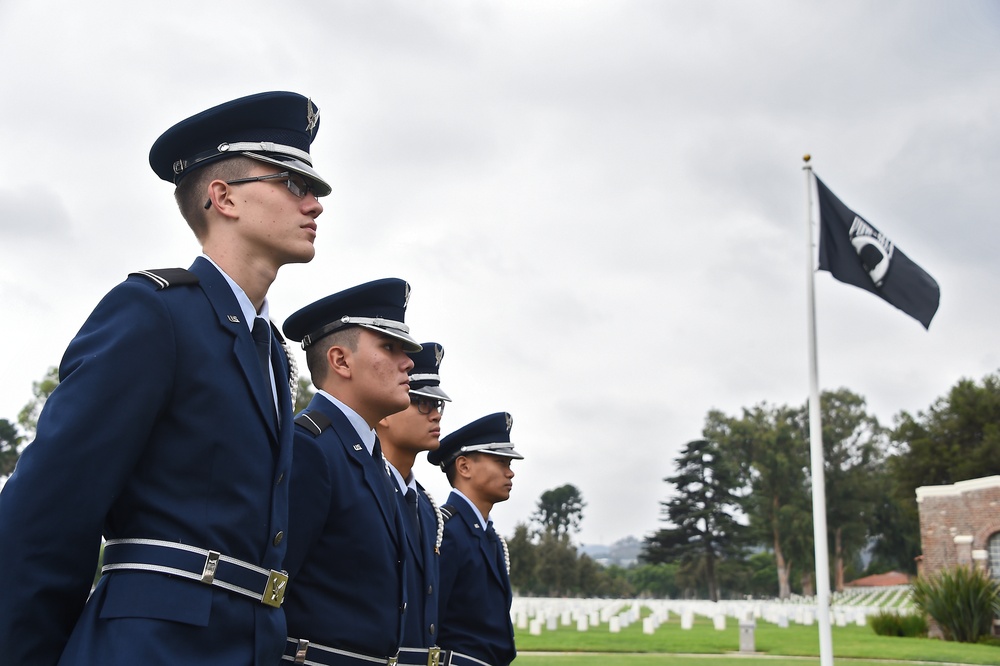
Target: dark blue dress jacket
(346, 542)
(420, 628)
(162, 427)
(474, 608)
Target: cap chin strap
(267, 147)
(180, 166)
(473, 448)
(347, 320)
(425, 378)
(479, 447)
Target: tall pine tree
(702, 515)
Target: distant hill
(623, 553)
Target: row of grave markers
(535, 613)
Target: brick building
(960, 524)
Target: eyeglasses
(425, 405)
(296, 185)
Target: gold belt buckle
(391, 661)
(274, 594)
(434, 656)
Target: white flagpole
(816, 454)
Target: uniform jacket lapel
(376, 479)
(479, 530)
(230, 316)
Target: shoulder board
(447, 511)
(168, 277)
(314, 422)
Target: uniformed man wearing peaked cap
(474, 606)
(170, 433)
(405, 435)
(347, 545)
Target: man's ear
(220, 198)
(339, 360)
(463, 467)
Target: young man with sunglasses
(404, 435)
(170, 433)
(346, 546)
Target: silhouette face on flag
(855, 252)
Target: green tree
(523, 560)
(556, 565)
(895, 532)
(10, 442)
(304, 394)
(614, 584)
(559, 511)
(767, 443)
(702, 514)
(589, 576)
(40, 391)
(655, 580)
(957, 438)
(854, 447)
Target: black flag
(857, 253)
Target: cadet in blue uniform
(170, 431)
(403, 436)
(346, 543)
(474, 608)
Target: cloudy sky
(600, 206)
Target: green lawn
(536, 659)
(800, 641)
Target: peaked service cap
(490, 434)
(272, 127)
(425, 375)
(379, 306)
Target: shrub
(962, 600)
(889, 623)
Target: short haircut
(192, 192)
(316, 353)
(450, 472)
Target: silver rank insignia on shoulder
(233, 318)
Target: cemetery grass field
(703, 639)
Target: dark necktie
(411, 501)
(491, 536)
(262, 340)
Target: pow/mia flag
(855, 252)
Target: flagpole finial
(806, 157)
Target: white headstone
(536, 627)
(582, 623)
(614, 625)
(647, 625)
(687, 619)
(720, 622)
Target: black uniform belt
(313, 654)
(197, 564)
(437, 657)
